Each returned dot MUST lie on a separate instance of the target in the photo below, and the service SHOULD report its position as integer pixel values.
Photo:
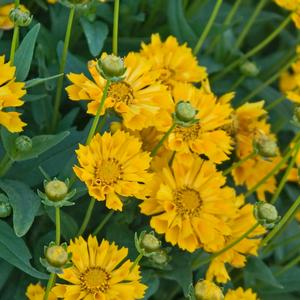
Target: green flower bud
(185, 114)
(111, 67)
(150, 242)
(5, 207)
(20, 17)
(56, 190)
(56, 256)
(265, 146)
(23, 143)
(159, 257)
(249, 69)
(266, 214)
(207, 290)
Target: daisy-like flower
(189, 203)
(175, 62)
(37, 292)
(10, 94)
(5, 22)
(99, 272)
(112, 166)
(236, 256)
(240, 294)
(138, 98)
(291, 5)
(207, 136)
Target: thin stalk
(254, 50)
(104, 221)
(207, 27)
(197, 265)
(239, 163)
(15, 39)
(49, 285)
(87, 217)
(282, 222)
(116, 27)
(165, 136)
(237, 83)
(275, 102)
(57, 222)
(5, 164)
(249, 24)
(286, 174)
(291, 264)
(135, 263)
(60, 80)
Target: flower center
(121, 92)
(188, 202)
(165, 75)
(108, 172)
(188, 133)
(95, 280)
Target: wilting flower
(99, 272)
(10, 94)
(5, 22)
(174, 62)
(138, 98)
(291, 5)
(112, 166)
(240, 294)
(37, 292)
(188, 203)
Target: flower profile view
(37, 292)
(99, 272)
(189, 203)
(113, 166)
(10, 96)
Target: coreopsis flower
(10, 96)
(208, 290)
(206, 136)
(5, 21)
(37, 292)
(99, 272)
(189, 203)
(175, 62)
(236, 256)
(294, 7)
(138, 98)
(112, 166)
(240, 294)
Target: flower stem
(60, 80)
(237, 83)
(254, 50)
(5, 164)
(275, 102)
(87, 217)
(283, 221)
(15, 39)
(291, 264)
(137, 260)
(49, 285)
(104, 221)
(160, 143)
(116, 27)
(207, 27)
(249, 24)
(57, 222)
(239, 163)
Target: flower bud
(266, 214)
(23, 143)
(185, 111)
(56, 190)
(56, 256)
(249, 69)
(207, 290)
(111, 67)
(265, 146)
(20, 17)
(150, 242)
(160, 257)
(5, 207)
(115, 126)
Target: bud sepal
(20, 17)
(146, 243)
(266, 214)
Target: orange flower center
(95, 280)
(121, 92)
(165, 75)
(188, 202)
(108, 172)
(188, 133)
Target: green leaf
(14, 251)
(24, 53)
(36, 81)
(25, 204)
(95, 34)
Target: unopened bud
(249, 69)
(265, 146)
(185, 114)
(20, 17)
(56, 190)
(112, 67)
(5, 207)
(160, 257)
(57, 256)
(207, 290)
(266, 214)
(150, 242)
(23, 143)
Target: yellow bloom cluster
(240, 294)
(294, 7)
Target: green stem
(239, 163)
(116, 27)
(97, 117)
(49, 285)
(159, 144)
(291, 264)
(137, 260)
(275, 102)
(104, 221)
(207, 27)
(286, 174)
(60, 80)
(282, 222)
(87, 217)
(14, 44)
(57, 222)
(5, 164)
(237, 83)
(196, 265)
(254, 50)
(249, 24)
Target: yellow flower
(5, 22)
(99, 272)
(240, 294)
(174, 62)
(113, 166)
(236, 256)
(207, 290)
(291, 5)
(188, 203)
(138, 98)
(10, 94)
(37, 292)
(52, 1)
